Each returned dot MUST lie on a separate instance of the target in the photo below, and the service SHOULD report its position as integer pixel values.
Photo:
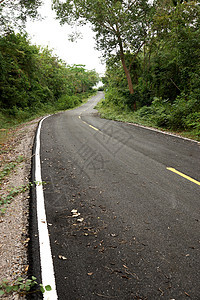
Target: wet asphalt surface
(121, 225)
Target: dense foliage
(166, 71)
(120, 26)
(32, 80)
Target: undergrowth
(156, 116)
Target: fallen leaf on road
(62, 257)
(90, 274)
(124, 276)
(102, 249)
(80, 220)
(113, 234)
(125, 266)
(76, 215)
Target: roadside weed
(22, 286)
(9, 167)
(5, 200)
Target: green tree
(13, 14)
(175, 57)
(32, 77)
(120, 26)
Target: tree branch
(131, 4)
(175, 84)
(132, 61)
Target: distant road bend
(122, 209)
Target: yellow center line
(89, 125)
(93, 127)
(184, 176)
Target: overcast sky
(48, 32)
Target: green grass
(124, 115)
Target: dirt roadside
(16, 150)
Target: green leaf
(28, 282)
(22, 286)
(33, 278)
(2, 292)
(42, 288)
(15, 288)
(20, 279)
(8, 289)
(48, 288)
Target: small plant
(5, 200)
(38, 183)
(22, 286)
(9, 167)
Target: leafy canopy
(13, 14)
(113, 21)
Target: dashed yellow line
(89, 125)
(184, 176)
(93, 127)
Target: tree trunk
(127, 73)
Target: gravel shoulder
(14, 222)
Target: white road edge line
(163, 132)
(47, 269)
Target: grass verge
(112, 112)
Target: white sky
(49, 32)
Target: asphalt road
(121, 225)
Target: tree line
(32, 79)
(151, 49)
(165, 72)
(152, 53)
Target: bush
(192, 121)
(112, 96)
(180, 110)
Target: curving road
(123, 223)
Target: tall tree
(120, 25)
(13, 14)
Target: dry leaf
(90, 274)
(125, 266)
(113, 234)
(76, 215)
(26, 269)
(62, 257)
(80, 220)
